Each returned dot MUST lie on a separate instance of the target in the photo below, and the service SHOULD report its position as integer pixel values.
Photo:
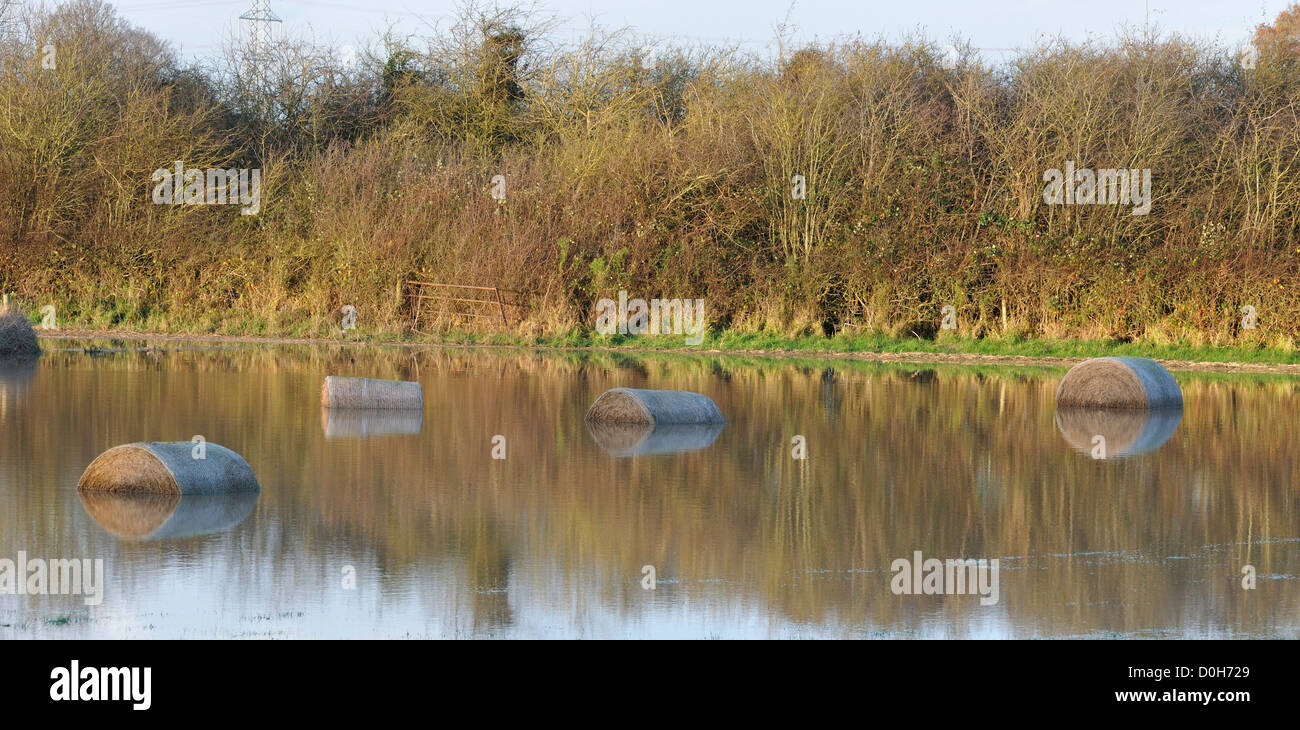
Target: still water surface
(443, 540)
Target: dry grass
(128, 469)
(1105, 382)
(620, 406)
(1101, 383)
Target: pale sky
(197, 27)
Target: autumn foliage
(924, 181)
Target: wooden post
(501, 305)
(416, 305)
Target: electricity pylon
(259, 19)
(8, 16)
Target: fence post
(501, 305)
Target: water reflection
(1125, 432)
(147, 517)
(17, 370)
(345, 423)
(634, 439)
(446, 541)
(16, 375)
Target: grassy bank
(750, 343)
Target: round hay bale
(168, 468)
(1119, 382)
(363, 423)
(146, 517)
(640, 439)
(17, 338)
(653, 407)
(1126, 432)
(339, 392)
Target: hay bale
(338, 392)
(653, 407)
(147, 517)
(17, 338)
(1127, 432)
(641, 439)
(168, 468)
(364, 423)
(1119, 382)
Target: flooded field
(405, 525)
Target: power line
(183, 5)
(354, 8)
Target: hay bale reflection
(1127, 432)
(639, 439)
(147, 517)
(344, 423)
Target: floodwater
(404, 525)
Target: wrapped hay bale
(1119, 382)
(640, 439)
(17, 338)
(168, 468)
(146, 516)
(364, 423)
(1126, 432)
(340, 392)
(653, 407)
